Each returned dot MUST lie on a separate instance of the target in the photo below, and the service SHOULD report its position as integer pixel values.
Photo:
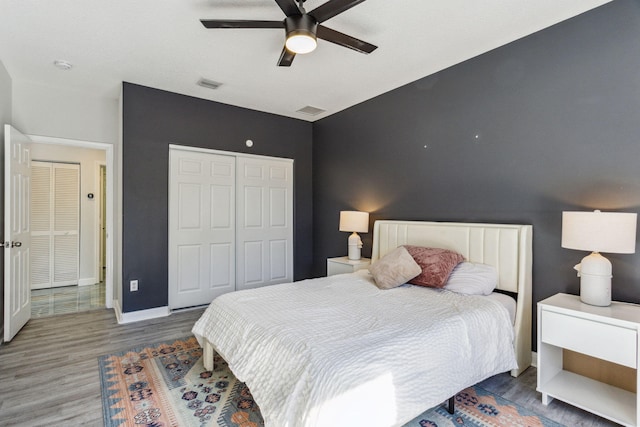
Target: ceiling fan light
(301, 33)
(301, 43)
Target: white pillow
(473, 279)
(394, 269)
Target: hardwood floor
(49, 372)
(522, 390)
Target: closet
(230, 223)
(55, 224)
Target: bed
(339, 351)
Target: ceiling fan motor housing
(301, 25)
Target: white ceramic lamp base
(355, 246)
(595, 280)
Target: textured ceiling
(162, 44)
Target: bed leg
(451, 405)
(207, 356)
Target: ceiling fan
(302, 28)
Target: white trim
(98, 213)
(227, 153)
(137, 316)
(109, 160)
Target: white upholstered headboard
(508, 247)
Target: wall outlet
(133, 285)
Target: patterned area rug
(165, 384)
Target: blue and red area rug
(165, 384)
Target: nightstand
(343, 264)
(608, 334)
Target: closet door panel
(66, 224)
(65, 260)
(265, 207)
(220, 264)
(253, 207)
(40, 262)
(201, 227)
(278, 207)
(221, 198)
(241, 218)
(189, 207)
(41, 227)
(278, 259)
(253, 256)
(189, 267)
(55, 224)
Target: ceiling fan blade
(289, 7)
(239, 23)
(286, 58)
(332, 8)
(344, 40)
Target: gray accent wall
(153, 119)
(548, 123)
(5, 118)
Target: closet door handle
(16, 244)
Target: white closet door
(201, 227)
(55, 224)
(41, 195)
(264, 234)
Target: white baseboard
(137, 316)
(81, 282)
(116, 309)
(534, 359)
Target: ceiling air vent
(312, 111)
(209, 84)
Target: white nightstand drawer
(604, 341)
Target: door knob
(16, 244)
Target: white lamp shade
(612, 232)
(354, 221)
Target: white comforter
(337, 351)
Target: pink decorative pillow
(436, 263)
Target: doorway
(94, 286)
(66, 204)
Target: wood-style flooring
(49, 372)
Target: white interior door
(17, 294)
(264, 234)
(201, 227)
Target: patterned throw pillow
(436, 264)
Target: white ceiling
(162, 44)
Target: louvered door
(55, 224)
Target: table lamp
(612, 232)
(354, 222)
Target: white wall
(89, 161)
(5, 96)
(39, 109)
